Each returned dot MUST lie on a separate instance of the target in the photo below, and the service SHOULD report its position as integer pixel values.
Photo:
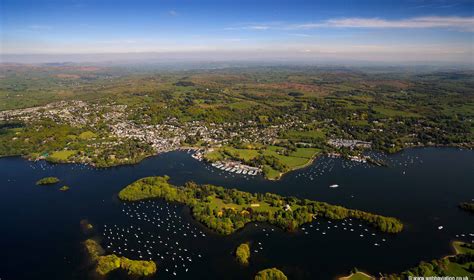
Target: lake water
(40, 233)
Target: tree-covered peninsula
(47, 181)
(104, 264)
(227, 210)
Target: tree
(242, 253)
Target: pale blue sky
(365, 29)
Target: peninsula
(104, 264)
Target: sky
(371, 30)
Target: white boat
(334, 186)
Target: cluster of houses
(75, 113)
(65, 111)
(153, 135)
(170, 134)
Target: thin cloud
(454, 22)
(460, 23)
(251, 27)
(259, 27)
(172, 13)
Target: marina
(228, 165)
(236, 167)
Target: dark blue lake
(40, 233)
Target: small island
(242, 253)
(271, 274)
(108, 263)
(64, 188)
(467, 206)
(227, 210)
(86, 227)
(47, 181)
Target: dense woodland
(227, 210)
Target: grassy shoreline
(308, 163)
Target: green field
(394, 113)
(86, 135)
(61, 155)
(296, 159)
(301, 135)
(271, 173)
(461, 270)
(460, 249)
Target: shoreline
(352, 274)
(183, 149)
